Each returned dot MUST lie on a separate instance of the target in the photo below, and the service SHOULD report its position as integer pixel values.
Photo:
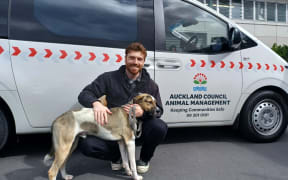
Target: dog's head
(146, 101)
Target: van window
(111, 20)
(192, 29)
(113, 23)
(247, 42)
(3, 18)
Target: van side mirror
(235, 38)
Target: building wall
(265, 19)
(268, 33)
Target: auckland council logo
(200, 80)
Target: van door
(58, 47)
(199, 77)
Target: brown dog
(72, 123)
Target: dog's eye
(150, 102)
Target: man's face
(134, 61)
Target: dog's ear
(103, 100)
(138, 98)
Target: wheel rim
(267, 117)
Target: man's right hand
(100, 113)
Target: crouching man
(121, 86)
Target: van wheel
(264, 117)
(4, 130)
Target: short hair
(136, 46)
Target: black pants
(153, 133)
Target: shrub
(281, 50)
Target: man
(121, 86)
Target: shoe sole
(142, 169)
(116, 167)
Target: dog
(67, 128)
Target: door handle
(168, 64)
(246, 58)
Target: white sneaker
(142, 167)
(116, 166)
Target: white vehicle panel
(6, 74)
(186, 102)
(51, 76)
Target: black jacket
(115, 85)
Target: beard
(133, 69)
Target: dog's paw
(128, 172)
(138, 178)
(68, 177)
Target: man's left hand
(138, 110)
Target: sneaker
(142, 166)
(117, 165)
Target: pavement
(206, 153)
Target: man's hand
(138, 110)
(100, 113)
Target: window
(260, 11)
(212, 4)
(191, 29)
(91, 19)
(281, 13)
(248, 9)
(246, 41)
(271, 10)
(3, 18)
(237, 9)
(113, 23)
(224, 6)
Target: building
(265, 19)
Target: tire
(264, 117)
(4, 130)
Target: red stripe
(1, 50)
(106, 57)
(48, 53)
(17, 51)
(64, 54)
(33, 52)
(119, 58)
(92, 56)
(78, 55)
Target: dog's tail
(48, 157)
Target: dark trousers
(153, 133)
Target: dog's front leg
(124, 157)
(131, 153)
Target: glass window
(224, 6)
(91, 19)
(260, 11)
(191, 29)
(248, 9)
(246, 41)
(271, 10)
(281, 15)
(113, 23)
(212, 4)
(3, 18)
(237, 9)
(202, 1)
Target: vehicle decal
(233, 65)
(77, 55)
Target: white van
(210, 71)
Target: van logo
(200, 79)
